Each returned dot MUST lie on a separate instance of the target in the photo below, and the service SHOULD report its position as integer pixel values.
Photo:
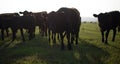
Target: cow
(5, 21)
(41, 22)
(56, 24)
(73, 20)
(108, 21)
(66, 21)
(23, 22)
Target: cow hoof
(69, 48)
(113, 40)
(106, 43)
(23, 40)
(2, 39)
(102, 41)
(62, 48)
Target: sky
(86, 7)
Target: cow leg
(62, 43)
(69, 44)
(33, 32)
(58, 37)
(102, 33)
(72, 38)
(30, 35)
(42, 32)
(21, 30)
(2, 34)
(49, 34)
(107, 33)
(7, 32)
(77, 36)
(39, 30)
(118, 28)
(54, 38)
(46, 32)
(13, 35)
(52, 35)
(114, 34)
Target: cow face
(105, 20)
(99, 16)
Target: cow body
(65, 20)
(5, 21)
(73, 20)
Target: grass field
(38, 51)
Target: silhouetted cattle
(56, 24)
(108, 21)
(27, 22)
(67, 21)
(5, 21)
(40, 20)
(73, 20)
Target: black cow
(65, 20)
(56, 24)
(108, 21)
(23, 22)
(73, 20)
(5, 21)
(41, 22)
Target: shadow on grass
(38, 51)
(91, 54)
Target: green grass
(38, 51)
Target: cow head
(16, 14)
(26, 13)
(95, 15)
(101, 17)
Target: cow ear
(21, 12)
(30, 12)
(95, 15)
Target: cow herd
(63, 22)
(27, 21)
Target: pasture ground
(38, 51)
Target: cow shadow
(88, 53)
